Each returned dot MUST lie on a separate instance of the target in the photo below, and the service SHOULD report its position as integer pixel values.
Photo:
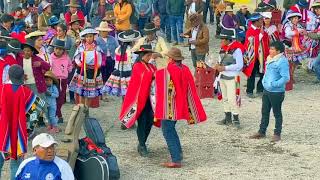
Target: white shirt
(28, 20)
(192, 8)
(27, 67)
(234, 69)
(194, 36)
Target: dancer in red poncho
(257, 46)
(16, 100)
(176, 99)
(137, 102)
(228, 81)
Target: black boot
(142, 150)
(40, 122)
(227, 120)
(236, 121)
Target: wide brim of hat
(73, 5)
(122, 37)
(144, 51)
(104, 29)
(150, 30)
(62, 47)
(226, 37)
(35, 51)
(174, 57)
(109, 18)
(52, 76)
(88, 31)
(316, 4)
(76, 20)
(35, 34)
(54, 23)
(293, 15)
(49, 4)
(14, 49)
(303, 4)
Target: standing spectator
(198, 39)
(274, 83)
(51, 95)
(208, 5)
(193, 6)
(229, 20)
(257, 50)
(61, 67)
(122, 12)
(98, 11)
(176, 9)
(73, 10)
(243, 15)
(6, 24)
(143, 12)
(43, 19)
(44, 148)
(160, 9)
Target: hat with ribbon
(14, 46)
(44, 4)
(150, 28)
(104, 27)
(88, 30)
(129, 36)
(146, 48)
(228, 33)
(74, 18)
(58, 44)
(175, 53)
(293, 12)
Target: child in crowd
(17, 13)
(61, 66)
(51, 95)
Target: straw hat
(50, 74)
(103, 27)
(146, 48)
(175, 54)
(88, 30)
(44, 4)
(129, 36)
(244, 7)
(74, 18)
(35, 34)
(73, 3)
(30, 44)
(109, 16)
(316, 4)
(229, 9)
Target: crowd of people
(97, 49)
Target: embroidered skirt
(89, 87)
(118, 82)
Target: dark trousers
(252, 79)
(70, 76)
(2, 5)
(62, 96)
(141, 23)
(171, 136)
(271, 100)
(165, 26)
(145, 122)
(205, 12)
(107, 69)
(218, 31)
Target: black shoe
(60, 121)
(250, 95)
(142, 150)
(227, 119)
(236, 121)
(40, 122)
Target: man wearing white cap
(46, 165)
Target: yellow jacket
(161, 47)
(122, 16)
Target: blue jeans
(205, 11)
(171, 136)
(316, 67)
(14, 165)
(51, 115)
(176, 23)
(165, 26)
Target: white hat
(266, 15)
(229, 9)
(44, 140)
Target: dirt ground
(218, 152)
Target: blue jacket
(51, 100)
(276, 75)
(110, 45)
(160, 6)
(37, 169)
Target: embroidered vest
(227, 57)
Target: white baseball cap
(44, 140)
(266, 15)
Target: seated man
(51, 166)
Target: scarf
(232, 46)
(272, 59)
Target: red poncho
(252, 48)
(137, 94)
(8, 60)
(13, 130)
(176, 96)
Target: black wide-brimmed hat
(129, 36)
(150, 28)
(58, 43)
(227, 33)
(146, 48)
(14, 46)
(30, 44)
(16, 74)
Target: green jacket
(175, 7)
(288, 3)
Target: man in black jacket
(6, 24)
